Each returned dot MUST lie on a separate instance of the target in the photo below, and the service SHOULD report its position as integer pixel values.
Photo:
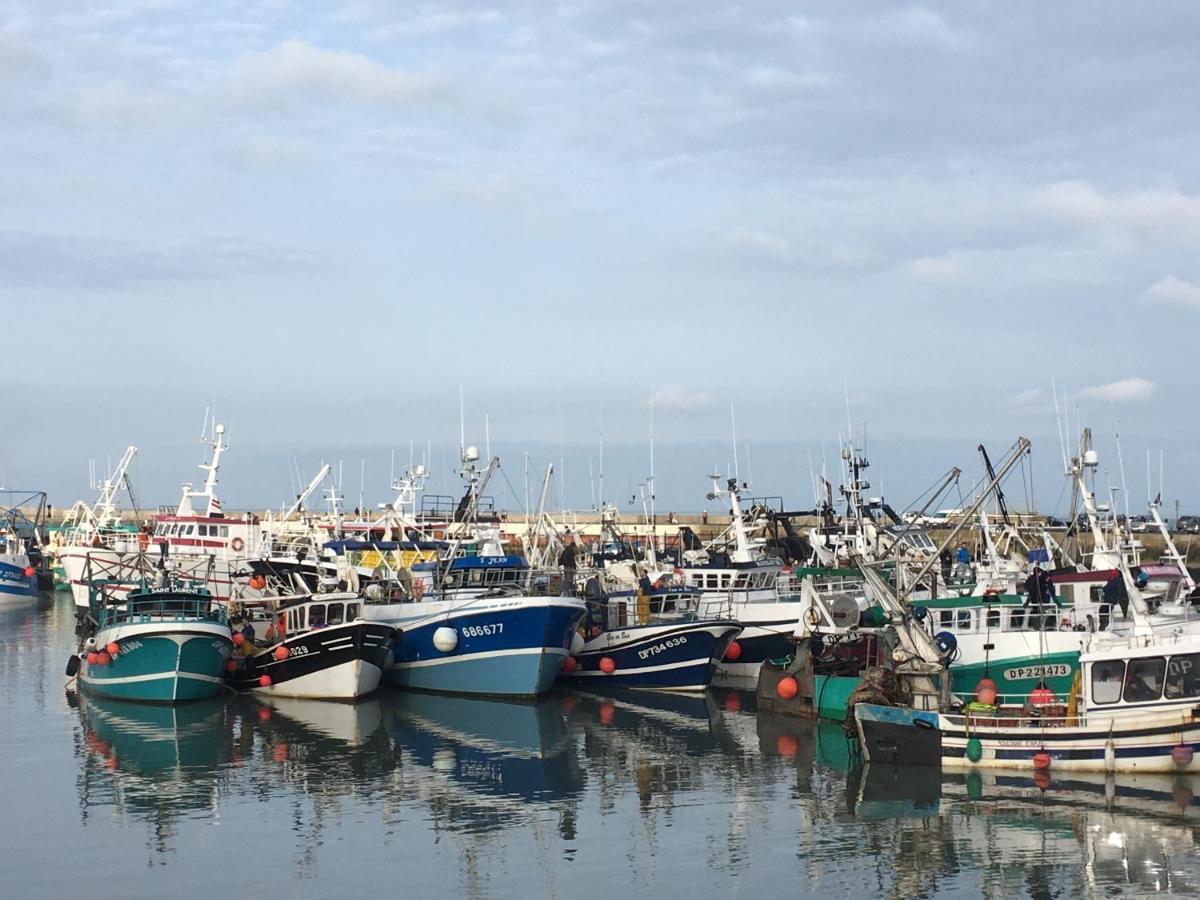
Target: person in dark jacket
(567, 559)
(1115, 594)
(1039, 597)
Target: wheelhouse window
(335, 614)
(316, 616)
(993, 618)
(224, 531)
(945, 618)
(1183, 677)
(351, 612)
(966, 618)
(1144, 679)
(1107, 678)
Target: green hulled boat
(154, 645)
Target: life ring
(418, 588)
(237, 544)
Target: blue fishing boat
(155, 644)
(22, 515)
(650, 640)
(501, 643)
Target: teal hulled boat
(154, 645)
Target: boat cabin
(760, 575)
(1083, 592)
(993, 613)
(321, 611)
(665, 604)
(1145, 677)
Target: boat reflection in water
(155, 762)
(481, 764)
(1028, 831)
(473, 787)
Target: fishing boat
(512, 644)
(94, 525)
(18, 578)
(738, 581)
(164, 644)
(318, 646)
(188, 537)
(482, 623)
(22, 514)
(1135, 709)
(649, 640)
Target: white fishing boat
(190, 536)
(738, 581)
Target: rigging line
(513, 491)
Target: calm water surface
(577, 796)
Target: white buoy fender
(445, 639)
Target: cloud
(92, 264)
(673, 398)
(1030, 401)
(1174, 292)
(936, 270)
(296, 73)
(1143, 212)
(1127, 389)
(918, 24)
(441, 22)
(118, 105)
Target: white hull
(345, 681)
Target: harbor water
(579, 795)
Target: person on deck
(1115, 594)
(567, 559)
(1039, 598)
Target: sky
(601, 221)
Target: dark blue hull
(680, 656)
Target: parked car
(1139, 524)
(1188, 524)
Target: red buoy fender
(787, 688)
